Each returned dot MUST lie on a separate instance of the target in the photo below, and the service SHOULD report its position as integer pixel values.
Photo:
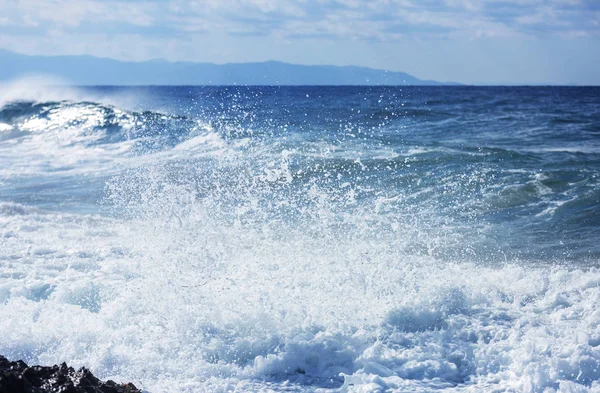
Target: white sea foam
(69, 138)
(177, 301)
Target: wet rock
(17, 377)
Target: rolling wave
(98, 123)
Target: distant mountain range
(88, 70)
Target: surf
(242, 238)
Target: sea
(304, 239)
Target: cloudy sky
(469, 41)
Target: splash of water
(229, 262)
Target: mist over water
(357, 239)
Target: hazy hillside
(88, 70)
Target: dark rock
(17, 377)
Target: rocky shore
(18, 377)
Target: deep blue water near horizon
(304, 238)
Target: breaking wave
(187, 251)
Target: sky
(467, 41)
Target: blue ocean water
(359, 239)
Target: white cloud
(5, 21)
(130, 27)
(360, 18)
(72, 13)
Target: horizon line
(441, 84)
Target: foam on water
(187, 305)
(272, 264)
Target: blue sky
(469, 41)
